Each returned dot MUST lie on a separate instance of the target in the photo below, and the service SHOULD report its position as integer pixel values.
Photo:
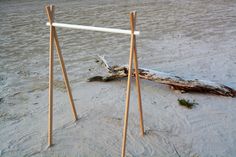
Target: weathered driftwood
(175, 82)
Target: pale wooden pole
(66, 80)
(50, 13)
(138, 82)
(92, 28)
(128, 86)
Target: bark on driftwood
(175, 82)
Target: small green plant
(187, 103)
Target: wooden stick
(91, 28)
(128, 87)
(138, 83)
(66, 80)
(50, 13)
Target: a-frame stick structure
(133, 55)
(53, 37)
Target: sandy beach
(192, 39)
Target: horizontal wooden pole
(91, 28)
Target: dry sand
(195, 39)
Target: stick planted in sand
(53, 37)
(50, 13)
(65, 77)
(138, 83)
(133, 51)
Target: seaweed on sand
(187, 103)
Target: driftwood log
(175, 82)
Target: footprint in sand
(2, 80)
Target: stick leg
(128, 90)
(138, 83)
(50, 11)
(138, 88)
(66, 80)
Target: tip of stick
(49, 146)
(133, 12)
(51, 6)
(76, 119)
(47, 7)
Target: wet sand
(193, 39)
